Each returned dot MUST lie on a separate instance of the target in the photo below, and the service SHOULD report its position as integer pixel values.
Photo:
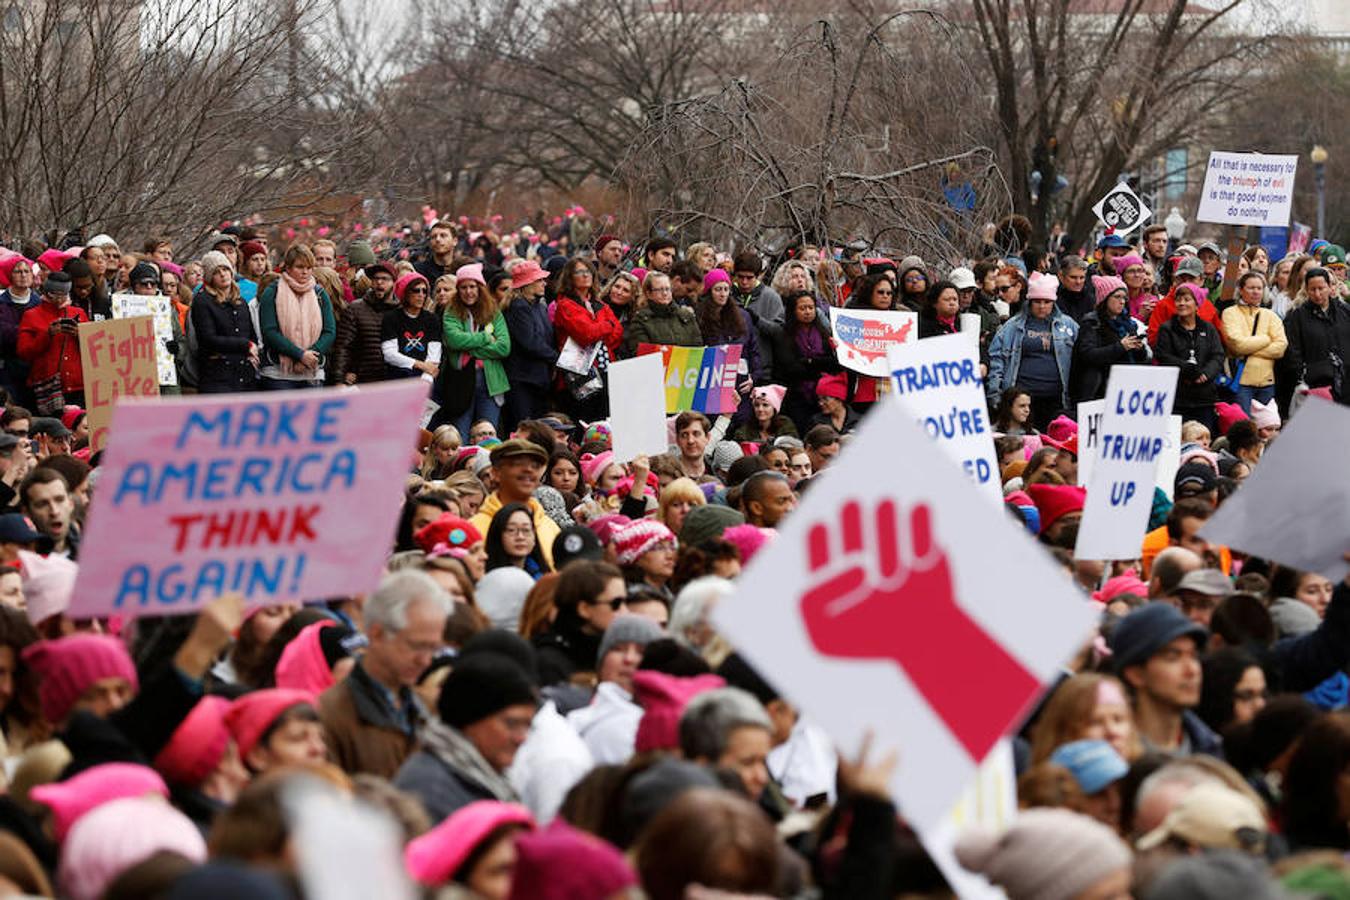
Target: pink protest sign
(281, 497)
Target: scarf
(451, 747)
(1123, 326)
(299, 317)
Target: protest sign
(864, 337)
(159, 308)
(281, 497)
(702, 379)
(1133, 429)
(577, 359)
(969, 325)
(637, 415)
(1300, 236)
(1089, 444)
(889, 587)
(938, 382)
(1294, 508)
(1122, 210)
(1247, 189)
(118, 358)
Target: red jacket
(1166, 308)
(571, 320)
(48, 353)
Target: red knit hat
(251, 248)
(1056, 501)
(604, 239)
(435, 857)
(663, 698)
(71, 665)
(449, 529)
(1229, 414)
(562, 863)
(406, 281)
(835, 386)
(637, 538)
(70, 799)
(197, 745)
(249, 717)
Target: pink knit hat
(1229, 414)
(1127, 582)
(302, 665)
(1129, 259)
(715, 276)
(1056, 501)
(748, 539)
(55, 260)
(7, 265)
(637, 538)
(607, 527)
(835, 386)
(471, 272)
(1042, 287)
(774, 393)
(406, 281)
(1265, 415)
(71, 665)
(249, 717)
(1106, 285)
(594, 465)
(119, 835)
(70, 799)
(563, 863)
(197, 745)
(1061, 428)
(663, 699)
(433, 858)
(48, 582)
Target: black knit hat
(481, 686)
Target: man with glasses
(410, 335)
(372, 718)
(357, 352)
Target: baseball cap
(1211, 582)
(1191, 266)
(17, 529)
(49, 426)
(1195, 478)
(1210, 246)
(1094, 764)
(381, 266)
(1333, 255)
(1213, 817)
(518, 447)
(8, 441)
(1112, 240)
(963, 278)
(1147, 630)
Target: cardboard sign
(282, 497)
(1295, 506)
(938, 382)
(865, 336)
(637, 397)
(702, 379)
(1133, 429)
(1248, 189)
(118, 358)
(1122, 210)
(1089, 418)
(883, 606)
(159, 308)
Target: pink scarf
(298, 316)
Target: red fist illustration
(909, 614)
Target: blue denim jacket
(1005, 353)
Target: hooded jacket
(357, 349)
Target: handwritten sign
(1134, 430)
(888, 586)
(1248, 189)
(160, 309)
(1089, 442)
(702, 379)
(938, 382)
(118, 358)
(865, 336)
(282, 497)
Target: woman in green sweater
(295, 317)
(473, 379)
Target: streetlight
(1319, 161)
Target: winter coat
(449, 773)
(47, 353)
(1005, 353)
(488, 345)
(362, 732)
(1174, 348)
(278, 345)
(931, 326)
(223, 334)
(11, 313)
(763, 301)
(357, 349)
(1097, 349)
(609, 725)
(564, 651)
(1257, 335)
(1314, 336)
(657, 323)
(571, 319)
(549, 764)
(748, 340)
(1075, 304)
(533, 351)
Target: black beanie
(482, 685)
(504, 643)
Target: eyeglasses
(914, 279)
(518, 531)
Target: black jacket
(562, 652)
(1076, 304)
(929, 326)
(1175, 347)
(533, 349)
(1097, 349)
(357, 348)
(1316, 340)
(223, 331)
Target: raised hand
(904, 608)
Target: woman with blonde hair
(1089, 706)
(793, 276)
(442, 294)
(622, 294)
(295, 316)
(703, 255)
(677, 500)
(440, 455)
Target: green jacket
(491, 345)
(277, 342)
(655, 324)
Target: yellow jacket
(544, 527)
(1261, 348)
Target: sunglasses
(612, 604)
(1005, 288)
(420, 289)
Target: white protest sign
(1295, 506)
(1248, 189)
(1122, 210)
(864, 336)
(1089, 435)
(938, 382)
(887, 589)
(990, 801)
(160, 308)
(1132, 431)
(637, 406)
(969, 325)
(346, 849)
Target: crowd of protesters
(536, 694)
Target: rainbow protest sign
(702, 379)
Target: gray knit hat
(724, 454)
(359, 254)
(628, 628)
(707, 522)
